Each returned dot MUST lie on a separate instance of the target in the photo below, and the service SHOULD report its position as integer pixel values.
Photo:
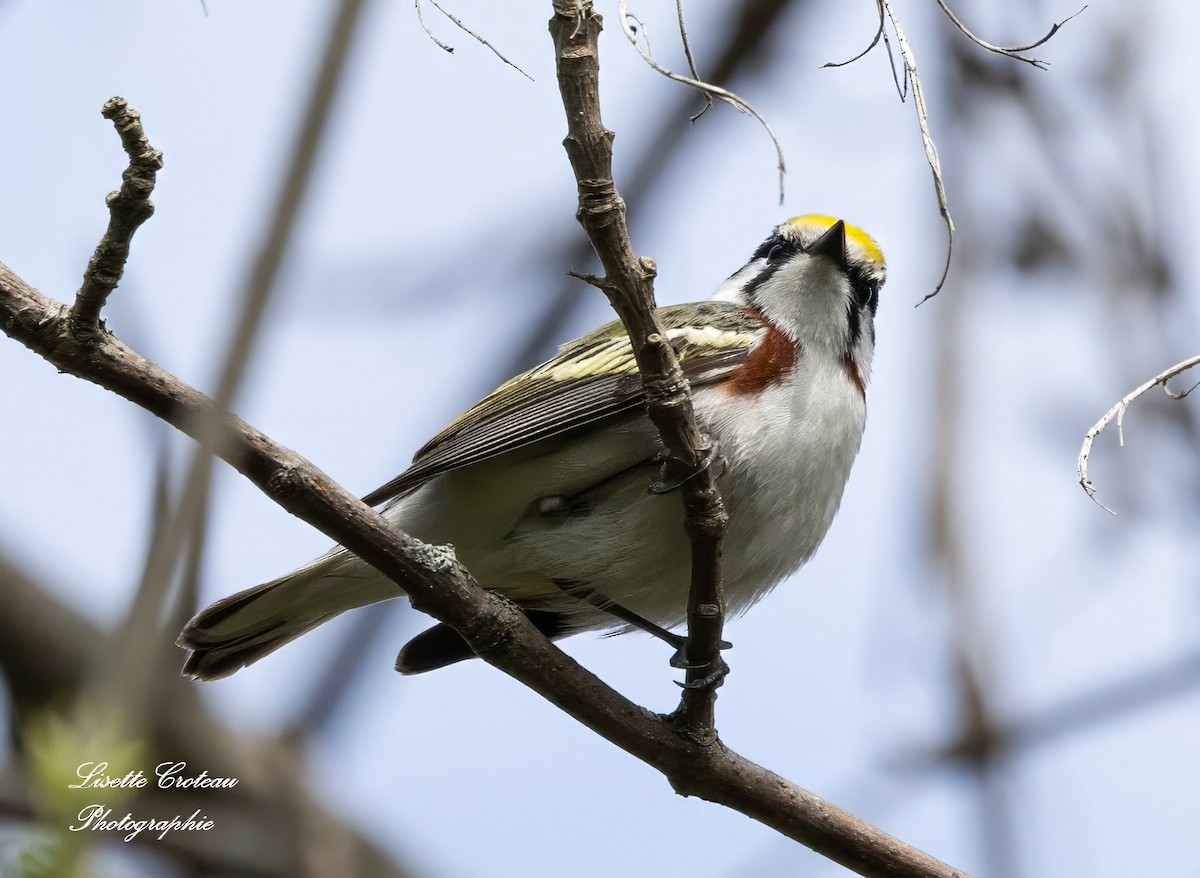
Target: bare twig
(691, 62)
(429, 33)
(909, 75)
(712, 91)
(879, 32)
(1114, 699)
(931, 156)
(128, 208)
(466, 30)
(1118, 412)
(1015, 52)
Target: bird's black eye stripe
(776, 249)
(854, 324)
(751, 286)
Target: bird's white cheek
(808, 301)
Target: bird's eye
(775, 250)
(872, 300)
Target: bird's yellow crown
(820, 222)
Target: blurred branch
(1108, 701)
(1118, 412)
(46, 649)
(129, 670)
(970, 640)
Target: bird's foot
(710, 454)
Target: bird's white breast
(790, 448)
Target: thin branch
(910, 75)
(1015, 52)
(931, 156)
(128, 208)
(691, 62)
(879, 32)
(501, 634)
(628, 284)
(1118, 412)
(466, 30)
(899, 77)
(713, 91)
(428, 32)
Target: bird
(546, 488)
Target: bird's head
(817, 279)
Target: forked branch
(1118, 412)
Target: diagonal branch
(501, 634)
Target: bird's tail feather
(242, 628)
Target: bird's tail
(242, 628)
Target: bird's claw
(711, 453)
(709, 681)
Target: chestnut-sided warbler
(542, 488)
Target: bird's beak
(832, 245)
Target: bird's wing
(592, 378)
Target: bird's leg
(679, 660)
(710, 452)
